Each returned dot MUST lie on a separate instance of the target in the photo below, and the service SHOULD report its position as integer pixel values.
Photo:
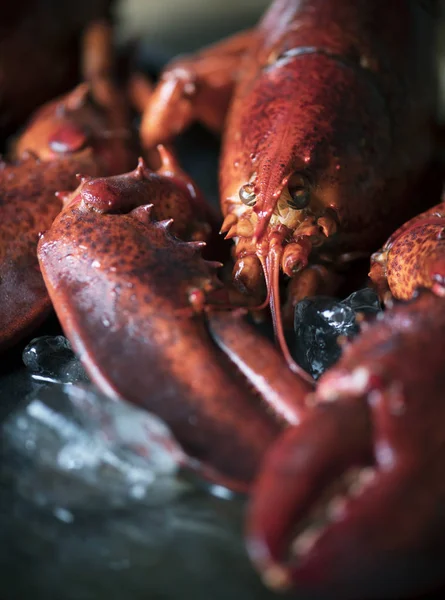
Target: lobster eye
(299, 190)
(247, 195)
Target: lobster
(306, 187)
(352, 498)
(323, 156)
(84, 131)
(350, 470)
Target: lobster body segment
(326, 94)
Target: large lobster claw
(353, 498)
(130, 295)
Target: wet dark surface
(85, 515)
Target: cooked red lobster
(356, 489)
(327, 113)
(323, 156)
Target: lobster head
(300, 159)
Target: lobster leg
(140, 90)
(196, 88)
(278, 386)
(98, 61)
(97, 51)
(378, 277)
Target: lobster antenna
(271, 269)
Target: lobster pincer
(352, 498)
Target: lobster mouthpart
(353, 497)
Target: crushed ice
(84, 448)
(51, 359)
(320, 321)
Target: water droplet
(221, 492)
(63, 515)
(138, 491)
(30, 445)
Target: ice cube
(365, 300)
(70, 520)
(51, 359)
(84, 448)
(321, 320)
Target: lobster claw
(352, 498)
(141, 329)
(302, 479)
(340, 524)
